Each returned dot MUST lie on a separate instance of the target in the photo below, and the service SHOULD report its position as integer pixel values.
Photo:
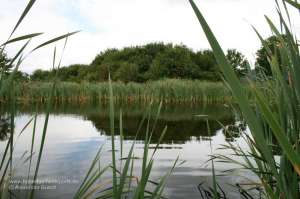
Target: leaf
(55, 40)
(237, 90)
(293, 3)
(25, 12)
(29, 36)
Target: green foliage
(205, 60)
(208, 65)
(40, 75)
(21, 76)
(153, 61)
(5, 67)
(238, 61)
(174, 62)
(262, 65)
(170, 91)
(72, 73)
(127, 72)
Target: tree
(106, 69)
(127, 72)
(238, 61)
(21, 76)
(207, 64)
(205, 60)
(262, 64)
(175, 62)
(149, 62)
(5, 67)
(40, 75)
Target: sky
(120, 23)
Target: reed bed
(170, 91)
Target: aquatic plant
(169, 91)
(273, 122)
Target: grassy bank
(170, 91)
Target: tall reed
(274, 124)
(170, 91)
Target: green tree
(107, 68)
(127, 72)
(21, 76)
(175, 62)
(40, 75)
(262, 64)
(238, 61)
(207, 64)
(148, 62)
(102, 55)
(5, 66)
(205, 60)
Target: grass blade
(24, 37)
(25, 12)
(54, 40)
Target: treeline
(149, 62)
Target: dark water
(75, 133)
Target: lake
(76, 132)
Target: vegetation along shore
(169, 91)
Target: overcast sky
(119, 23)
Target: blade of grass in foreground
(49, 106)
(31, 196)
(215, 191)
(293, 3)
(272, 121)
(21, 38)
(55, 40)
(157, 193)
(121, 133)
(90, 177)
(237, 90)
(6, 88)
(32, 144)
(25, 12)
(112, 129)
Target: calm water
(75, 133)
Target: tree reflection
(4, 129)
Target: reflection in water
(232, 132)
(4, 129)
(182, 121)
(178, 132)
(75, 133)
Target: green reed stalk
(170, 91)
(274, 120)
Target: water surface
(76, 132)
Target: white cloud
(119, 23)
